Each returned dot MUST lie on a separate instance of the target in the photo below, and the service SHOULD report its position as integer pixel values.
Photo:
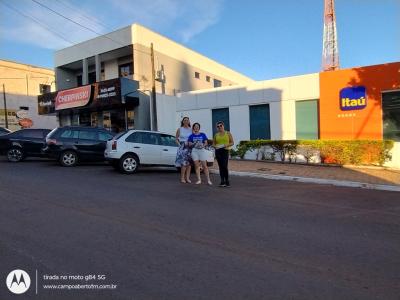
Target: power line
(94, 20)
(87, 28)
(77, 23)
(36, 21)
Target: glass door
(130, 119)
(107, 120)
(94, 120)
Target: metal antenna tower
(330, 51)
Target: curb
(354, 184)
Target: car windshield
(117, 136)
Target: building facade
(359, 103)
(20, 84)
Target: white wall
(167, 118)
(280, 94)
(110, 41)
(39, 121)
(144, 36)
(240, 130)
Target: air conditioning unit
(160, 76)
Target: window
(125, 70)
(85, 119)
(37, 134)
(217, 83)
(391, 115)
(150, 138)
(70, 134)
(79, 80)
(143, 138)
(260, 122)
(105, 136)
(87, 135)
(197, 75)
(307, 120)
(44, 89)
(220, 114)
(208, 78)
(92, 77)
(135, 137)
(168, 140)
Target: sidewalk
(378, 176)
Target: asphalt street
(155, 238)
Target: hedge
(355, 152)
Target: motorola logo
(18, 281)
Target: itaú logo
(353, 98)
(18, 281)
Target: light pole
(5, 99)
(5, 106)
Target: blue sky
(262, 39)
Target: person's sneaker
(209, 182)
(198, 182)
(222, 184)
(227, 184)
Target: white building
(126, 53)
(265, 109)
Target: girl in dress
(183, 155)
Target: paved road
(158, 239)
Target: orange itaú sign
(73, 97)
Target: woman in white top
(183, 155)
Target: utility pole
(5, 106)
(153, 90)
(330, 51)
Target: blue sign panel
(353, 98)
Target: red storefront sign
(73, 98)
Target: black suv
(23, 143)
(72, 144)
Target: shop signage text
(353, 98)
(73, 97)
(106, 92)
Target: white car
(129, 150)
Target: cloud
(207, 14)
(179, 19)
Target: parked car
(129, 150)
(72, 144)
(4, 131)
(23, 143)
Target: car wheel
(129, 164)
(15, 154)
(68, 159)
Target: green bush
(356, 152)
